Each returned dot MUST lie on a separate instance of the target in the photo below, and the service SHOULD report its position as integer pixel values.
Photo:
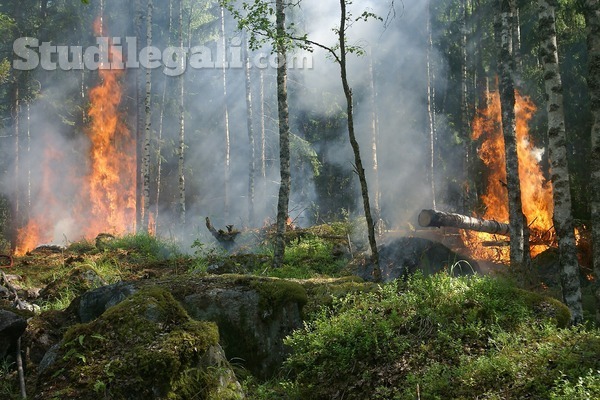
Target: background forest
(423, 76)
(118, 172)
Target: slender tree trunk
(355, 147)
(263, 134)
(519, 234)
(559, 176)
(592, 16)
(181, 149)
(225, 116)
(465, 118)
(284, 137)
(249, 120)
(374, 142)
(140, 120)
(28, 153)
(159, 140)
(16, 107)
(430, 107)
(516, 28)
(145, 206)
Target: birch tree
(519, 235)
(559, 176)
(181, 147)
(147, 129)
(227, 165)
(258, 23)
(251, 142)
(430, 107)
(374, 143)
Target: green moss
(276, 292)
(145, 345)
(321, 292)
(546, 308)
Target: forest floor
(422, 337)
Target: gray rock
(403, 256)
(93, 303)
(252, 325)
(49, 358)
(12, 326)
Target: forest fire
(105, 198)
(109, 188)
(536, 192)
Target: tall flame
(106, 188)
(536, 192)
(110, 185)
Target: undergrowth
(439, 337)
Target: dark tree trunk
(284, 138)
(592, 17)
(355, 147)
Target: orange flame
(110, 185)
(106, 201)
(536, 192)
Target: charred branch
(226, 238)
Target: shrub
(441, 337)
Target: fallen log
(438, 219)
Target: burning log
(440, 218)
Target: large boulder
(12, 326)
(145, 347)
(403, 256)
(94, 303)
(253, 314)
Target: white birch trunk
(519, 235)
(181, 149)
(559, 174)
(145, 206)
(225, 115)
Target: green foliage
(450, 337)
(584, 388)
(9, 386)
(303, 152)
(145, 246)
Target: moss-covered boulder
(145, 347)
(253, 314)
